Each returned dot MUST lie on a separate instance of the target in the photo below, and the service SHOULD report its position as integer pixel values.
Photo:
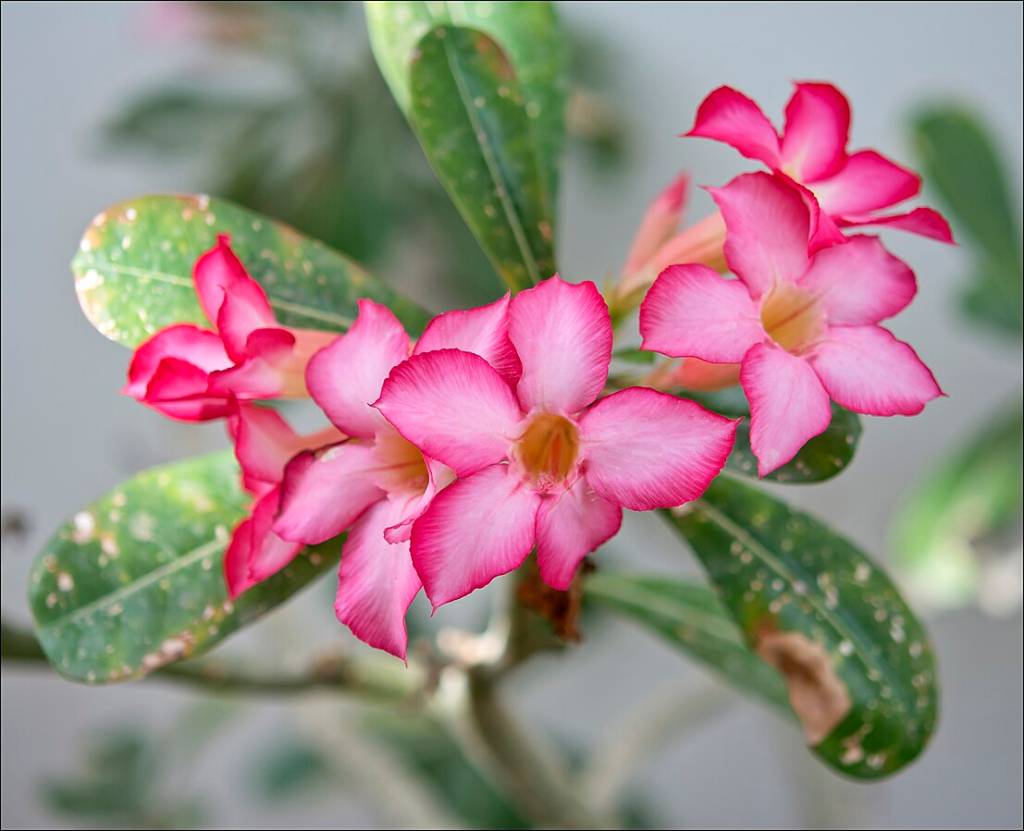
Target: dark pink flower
(804, 327)
(850, 188)
(264, 444)
(195, 374)
(541, 462)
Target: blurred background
(281, 108)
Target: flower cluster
(449, 459)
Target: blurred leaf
(635, 356)
(691, 618)
(821, 458)
(133, 270)
(528, 33)
(972, 495)
(134, 581)
(472, 121)
(961, 161)
(429, 752)
(290, 768)
(117, 784)
(857, 663)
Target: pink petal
(867, 182)
(440, 476)
(376, 581)
(865, 369)
(859, 282)
(824, 231)
(483, 331)
(267, 372)
(767, 230)
(454, 406)
(180, 390)
(645, 449)
(216, 273)
(570, 525)
(924, 221)
(817, 126)
(255, 552)
(244, 310)
(474, 530)
(695, 374)
(270, 553)
(788, 404)
(199, 347)
(325, 491)
(729, 116)
(346, 377)
(265, 442)
(563, 335)
(692, 311)
(236, 559)
(658, 225)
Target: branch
(378, 678)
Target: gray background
(68, 436)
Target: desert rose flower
(264, 444)
(542, 462)
(195, 374)
(376, 483)
(804, 328)
(849, 188)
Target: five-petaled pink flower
(541, 462)
(376, 483)
(195, 374)
(264, 444)
(849, 188)
(803, 327)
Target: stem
(380, 679)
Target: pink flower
(264, 443)
(540, 462)
(196, 374)
(849, 188)
(376, 483)
(803, 327)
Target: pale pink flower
(849, 188)
(804, 327)
(542, 462)
(376, 483)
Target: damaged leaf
(857, 664)
(134, 581)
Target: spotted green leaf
(133, 269)
(134, 581)
(857, 663)
(527, 32)
(821, 458)
(691, 618)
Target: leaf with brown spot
(135, 582)
(810, 602)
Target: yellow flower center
(548, 448)
(792, 317)
(401, 466)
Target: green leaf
(961, 160)
(134, 581)
(527, 32)
(470, 117)
(133, 270)
(821, 458)
(972, 495)
(858, 664)
(484, 88)
(691, 618)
